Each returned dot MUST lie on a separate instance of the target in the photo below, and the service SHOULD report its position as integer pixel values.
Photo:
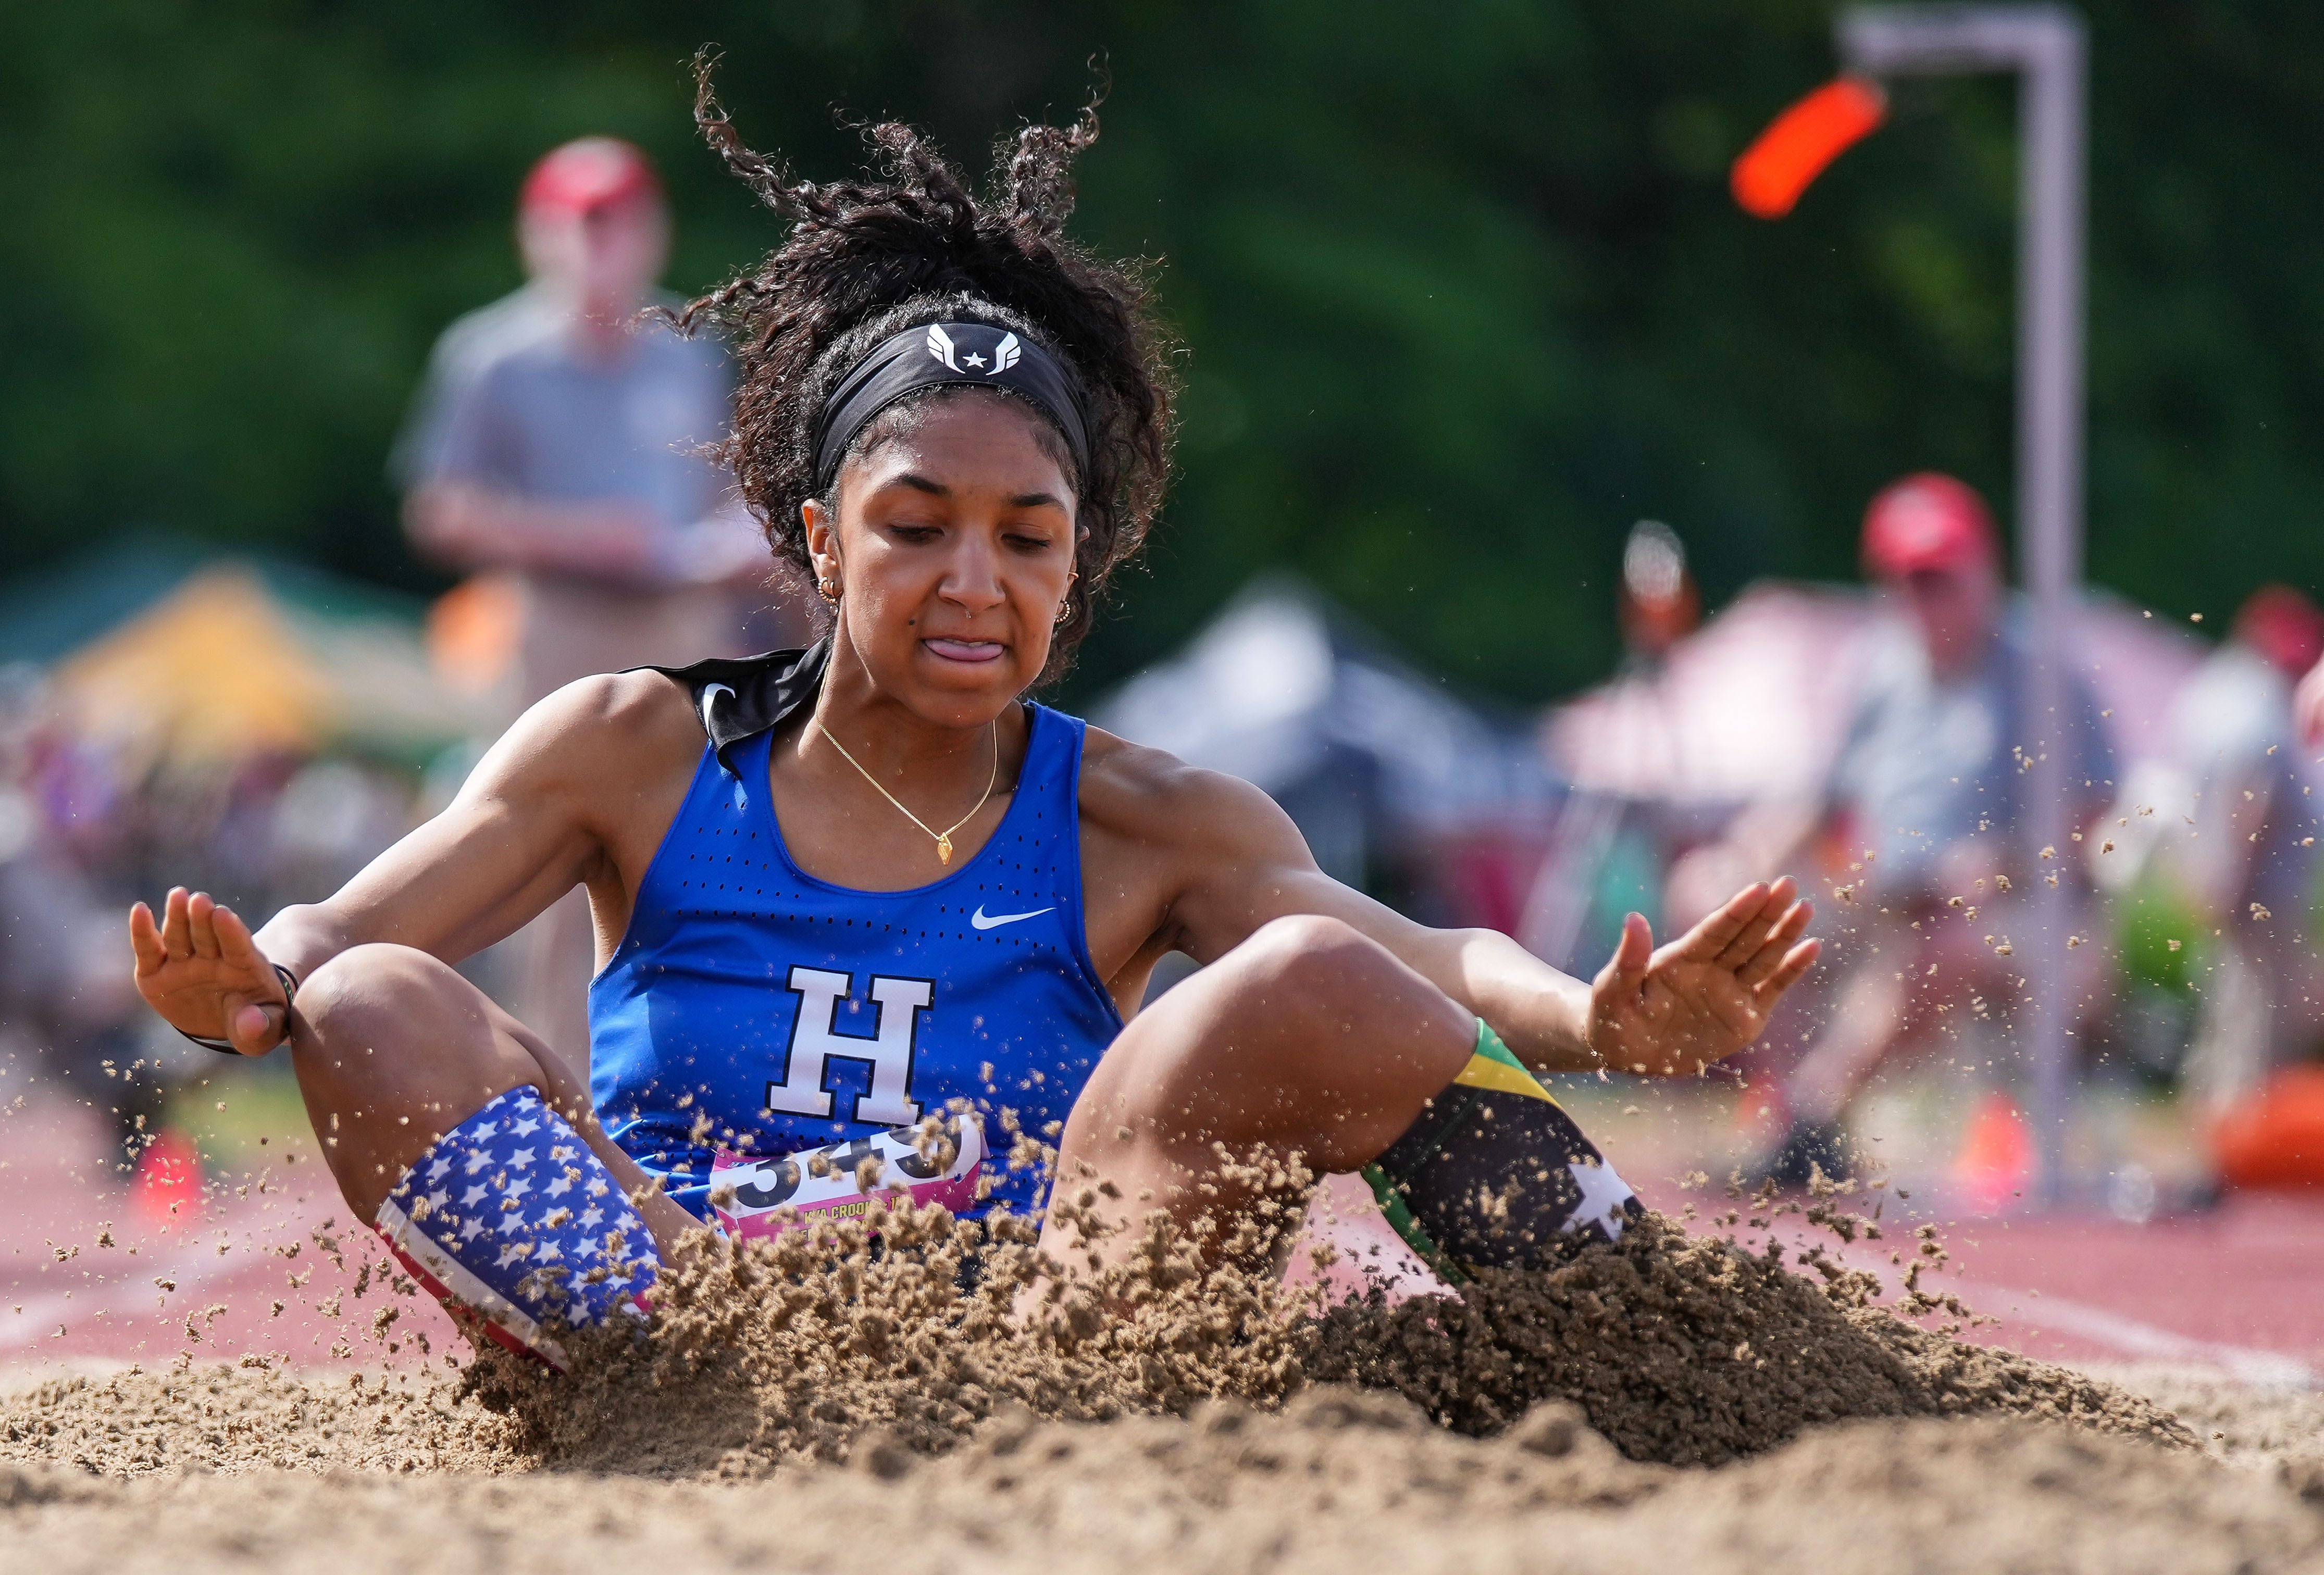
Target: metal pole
(2050, 398)
(2045, 45)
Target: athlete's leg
(470, 1146)
(1310, 1038)
(393, 1049)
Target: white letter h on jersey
(814, 1044)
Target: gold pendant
(943, 849)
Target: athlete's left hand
(1706, 995)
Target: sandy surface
(1674, 1403)
(1337, 1480)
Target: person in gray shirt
(1928, 794)
(558, 449)
(558, 440)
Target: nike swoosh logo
(993, 921)
(709, 695)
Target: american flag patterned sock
(510, 1221)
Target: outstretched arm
(531, 822)
(1659, 1010)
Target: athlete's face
(952, 550)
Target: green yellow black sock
(1495, 1173)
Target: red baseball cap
(585, 175)
(1928, 522)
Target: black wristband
(290, 982)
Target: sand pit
(1671, 1402)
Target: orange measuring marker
(1770, 174)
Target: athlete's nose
(972, 580)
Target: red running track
(251, 1241)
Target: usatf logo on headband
(1004, 355)
(938, 354)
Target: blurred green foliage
(2161, 936)
(1462, 291)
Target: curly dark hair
(867, 259)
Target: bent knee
(1308, 955)
(367, 988)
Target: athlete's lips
(966, 650)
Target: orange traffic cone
(1997, 1155)
(169, 1184)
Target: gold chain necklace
(944, 837)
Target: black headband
(974, 354)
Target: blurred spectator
(2307, 706)
(1608, 850)
(559, 438)
(1927, 794)
(67, 1013)
(557, 442)
(1658, 604)
(2247, 864)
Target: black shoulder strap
(739, 698)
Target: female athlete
(839, 892)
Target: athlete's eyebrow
(936, 489)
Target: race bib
(748, 1194)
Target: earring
(828, 590)
(1065, 606)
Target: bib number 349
(767, 1196)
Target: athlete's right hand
(199, 969)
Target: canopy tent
(210, 673)
(153, 651)
(1753, 705)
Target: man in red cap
(1929, 539)
(556, 447)
(1928, 791)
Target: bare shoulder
(1151, 797)
(633, 708)
(617, 732)
(1175, 856)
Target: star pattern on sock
(1606, 1199)
(510, 1230)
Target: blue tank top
(750, 997)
